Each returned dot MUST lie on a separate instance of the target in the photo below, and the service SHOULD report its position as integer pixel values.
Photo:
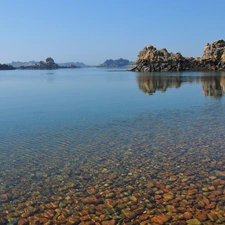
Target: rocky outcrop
(152, 60)
(6, 67)
(216, 51)
(48, 65)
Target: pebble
(161, 219)
(143, 217)
(200, 216)
(90, 200)
(187, 215)
(193, 222)
(168, 196)
(23, 222)
(109, 222)
(129, 214)
(212, 217)
(12, 221)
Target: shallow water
(96, 146)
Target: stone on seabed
(161, 219)
(193, 222)
(129, 214)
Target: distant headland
(116, 63)
(152, 60)
(49, 64)
(18, 64)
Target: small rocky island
(152, 60)
(6, 67)
(116, 63)
(48, 65)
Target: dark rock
(50, 61)
(6, 67)
(152, 60)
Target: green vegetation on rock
(116, 63)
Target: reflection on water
(49, 76)
(212, 85)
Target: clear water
(124, 139)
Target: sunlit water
(97, 146)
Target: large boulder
(216, 50)
(50, 61)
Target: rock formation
(152, 60)
(50, 61)
(6, 67)
(216, 50)
(49, 64)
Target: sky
(92, 31)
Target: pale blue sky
(92, 31)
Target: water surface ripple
(90, 147)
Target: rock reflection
(212, 85)
(151, 84)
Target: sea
(110, 146)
